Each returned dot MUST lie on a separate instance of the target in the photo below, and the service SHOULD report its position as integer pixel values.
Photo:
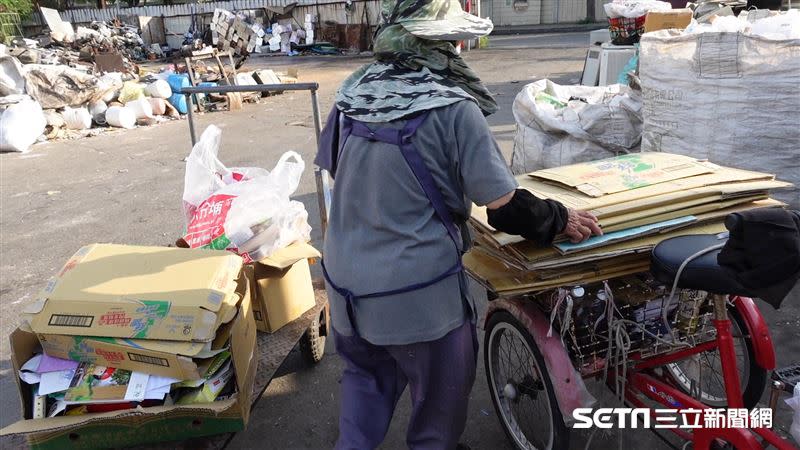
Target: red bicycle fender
(569, 387)
(757, 328)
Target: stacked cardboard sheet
(639, 199)
(132, 334)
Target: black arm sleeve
(530, 217)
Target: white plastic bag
(560, 125)
(245, 210)
(794, 403)
(20, 125)
(634, 8)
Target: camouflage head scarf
(411, 74)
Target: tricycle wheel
(701, 374)
(312, 344)
(519, 382)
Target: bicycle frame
(660, 391)
(641, 381)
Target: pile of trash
(41, 101)
(102, 37)
(103, 46)
(243, 36)
(779, 26)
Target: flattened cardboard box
(626, 172)
(282, 286)
(665, 20)
(165, 358)
(143, 425)
(139, 292)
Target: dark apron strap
(402, 139)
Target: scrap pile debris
(71, 83)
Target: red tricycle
(681, 337)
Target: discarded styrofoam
(120, 116)
(77, 118)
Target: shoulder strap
(402, 139)
(424, 177)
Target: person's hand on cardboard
(581, 225)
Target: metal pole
(316, 114)
(321, 175)
(189, 107)
(251, 88)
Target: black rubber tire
(757, 379)
(757, 382)
(561, 433)
(312, 344)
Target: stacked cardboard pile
(639, 199)
(229, 31)
(137, 338)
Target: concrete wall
(535, 12)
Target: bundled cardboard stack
(229, 31)
(640, 199)
(142, 339)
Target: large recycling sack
(733, 98)
(560, 125)
(244, 210)
(20, 125)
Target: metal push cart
(311, 329)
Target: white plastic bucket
(159, 106)
(158, 89)
(121, 116)
(77, 119)
(141, 108)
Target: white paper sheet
(55, 381)
(137, 387)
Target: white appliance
(591, 68)
(613, 59)
(598, 37)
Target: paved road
(125, 187)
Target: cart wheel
(704, 370)
(312, 344)
(522, 393)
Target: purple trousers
(440, 374)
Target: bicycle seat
(702, 273)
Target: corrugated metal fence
(87, 15)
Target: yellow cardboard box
(139, 292)
(172, 359)
(282, 286)
(143, 425)
(625, 172)
(665, 20)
